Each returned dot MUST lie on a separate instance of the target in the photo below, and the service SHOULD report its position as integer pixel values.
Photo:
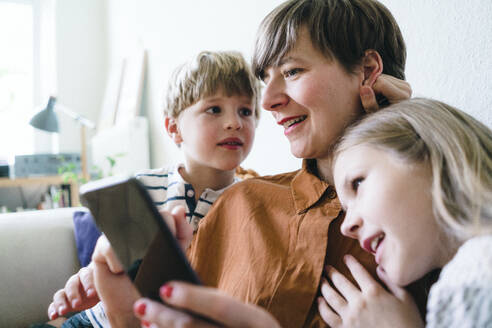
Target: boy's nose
(274, 97)
(233, 122)
(352, 223)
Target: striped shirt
(168, 189)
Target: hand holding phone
(125, 213)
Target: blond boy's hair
(457, 148)
(207, 74)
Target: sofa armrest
(38, 255)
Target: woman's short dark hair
(340, 29)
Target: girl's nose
(352, 223)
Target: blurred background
(98, 56)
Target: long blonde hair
(457, 148)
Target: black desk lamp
(47, 120)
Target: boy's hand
(78, 294)
(391, 88)
(181, 229)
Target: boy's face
(312, 97)
(388, 206)
(217, 131)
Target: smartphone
(124, 211)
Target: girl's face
(312, 97)
(388, 209)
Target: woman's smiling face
(388, 206)
(312, 97)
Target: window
(16, 78)
(27, 74)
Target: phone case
(125, 213)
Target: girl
(415, 181)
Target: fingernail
(141, 308)
(145, 323)
(90, 292)
(166, 291)
(61, 309)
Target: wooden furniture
(45, 180)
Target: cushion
(86, 235)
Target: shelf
(43, 180)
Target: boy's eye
(245, 111)
(356, 183)
(291, 72)
(213, 110)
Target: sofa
(37, 255)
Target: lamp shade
(46, 119)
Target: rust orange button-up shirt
(266, 241)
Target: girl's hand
(369, 306)
(389, 87)
(78, 294)
(208, 302)
(113, 286)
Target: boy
(211, 113)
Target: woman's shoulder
(267, 182)
(463, 294)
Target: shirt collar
(207, 194)
(307, 188)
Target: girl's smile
(389, 210)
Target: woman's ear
(172, 129)
(372, 65)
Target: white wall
(449, 45)
(172, 31)
(81, 60)
(449, 55)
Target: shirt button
(190, 193)
(332, 194)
